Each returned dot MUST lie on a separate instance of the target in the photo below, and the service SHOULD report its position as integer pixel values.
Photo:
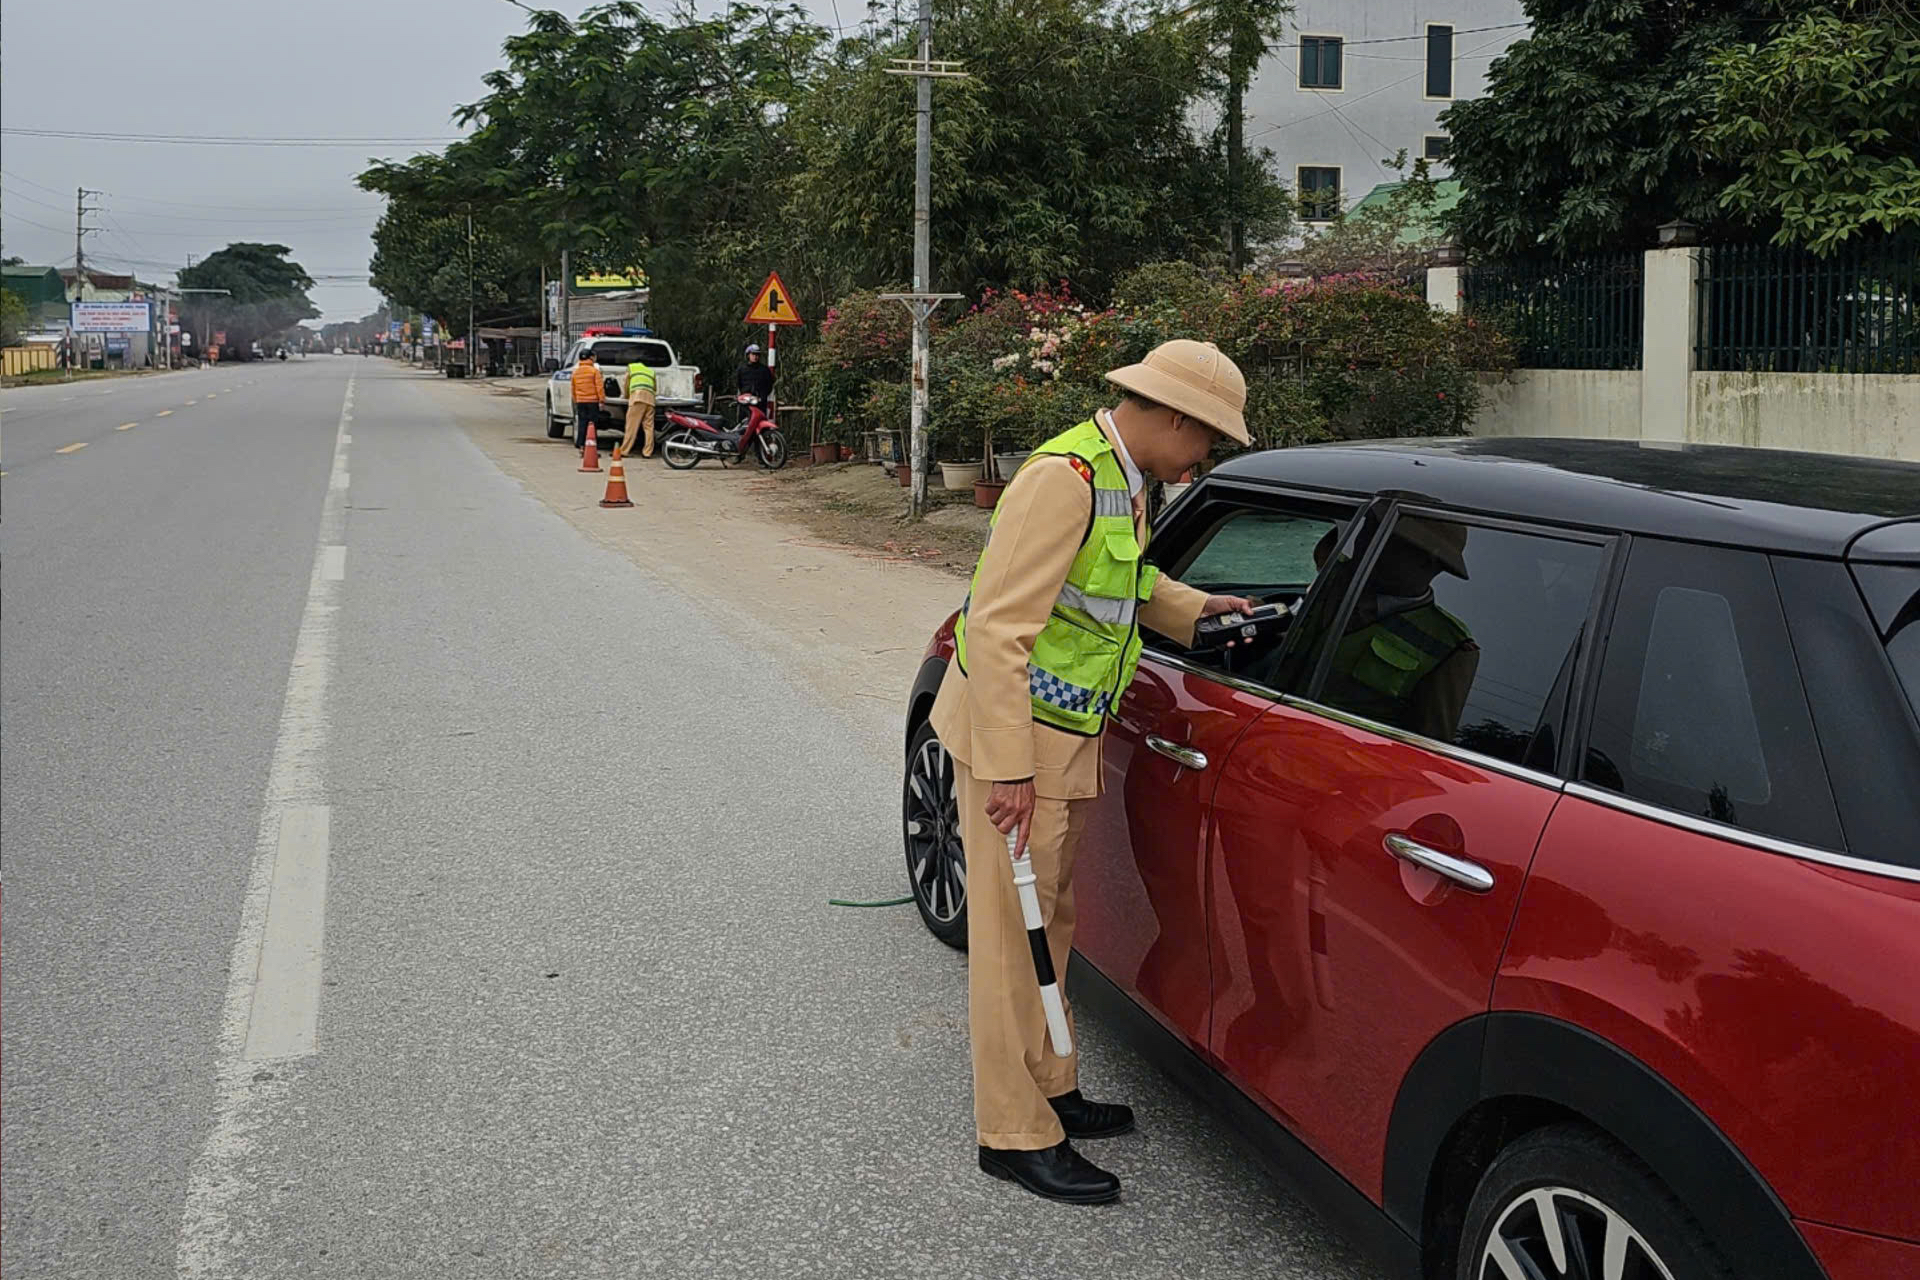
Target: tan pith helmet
(1444, 540)
(1194, 378)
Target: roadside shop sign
(611, 280)
(774, 304)
(112, 317)
(393, 330)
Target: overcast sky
(389, 69)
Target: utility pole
(473, 351)
(566, 302)
(922, 301)
(80, 228)
(80, 211)
(1236, 153)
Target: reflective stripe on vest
(1085, 655)
(1100, 609)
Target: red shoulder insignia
(1082, 466)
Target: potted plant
(959, 476)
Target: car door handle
(1468, 875)
(1185, 757)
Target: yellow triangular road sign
(774, 305)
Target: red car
(1546, 902)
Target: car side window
(1893, 593)
(1466, 634)
(1266, 552)
(1699, 706)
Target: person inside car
(1404, 660)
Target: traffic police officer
(1045, 646)
(640, 388)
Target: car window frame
(1612, 544)
(1182, 531)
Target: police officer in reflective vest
(640, 386)
(1404, 660)
(1045, 646)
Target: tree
(421, 259)
(1822, 120)
(1391, 239)
(1066, 153)
(13, 317)
(1588, 136)
(267, 293)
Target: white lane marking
(346, 439)
(333, 562)
(248, 1093)
(286, 998)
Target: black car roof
(1770, 499)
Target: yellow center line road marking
(210, 395)
(163, 413)
(73, 448)
(126, 426)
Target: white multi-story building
(1354, 82)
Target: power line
(187, 204)
(14, 217)
(1335, 110)
(188, 140)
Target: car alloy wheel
(936, 859)
(1557, 1233)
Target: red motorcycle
(693, 436)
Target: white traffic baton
(1037, 939)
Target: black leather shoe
(1057, 1173)
(1083, 1119)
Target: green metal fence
(1574, 313)
(1764, 307)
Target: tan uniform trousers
(1015, 1069)
(639, 418)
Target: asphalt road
(531, 857)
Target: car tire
(556, 427)
(930, 829)
(1566, 1201)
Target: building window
(1320, 62)
(1319, 189)
(1437, 147)
(1439, 61)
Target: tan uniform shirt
(984, 716)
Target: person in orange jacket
(586, 398)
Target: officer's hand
(1010, 806)
(1228, 604)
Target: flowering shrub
(861, 341)
(1349, 356)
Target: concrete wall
(1592, 403)
(1874, 415)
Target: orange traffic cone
(616, 484)
(590, 456)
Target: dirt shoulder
(816, 565)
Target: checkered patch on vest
(1081, 465)
(1055, 692)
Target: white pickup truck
(676, 385)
